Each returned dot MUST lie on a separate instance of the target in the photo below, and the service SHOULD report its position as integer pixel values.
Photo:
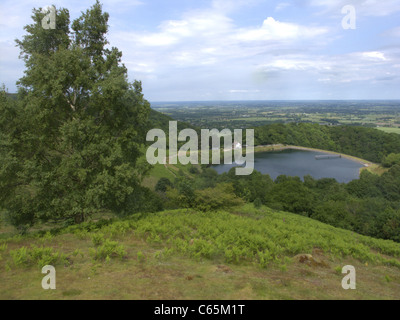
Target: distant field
(247, 114)
(257, 119)
(389, 130)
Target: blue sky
(185, 50)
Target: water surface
(300, 163)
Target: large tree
(72, 140)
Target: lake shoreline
(281, 147)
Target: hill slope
(161, 121)
(185, 254)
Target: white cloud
(275, 30)
(374, 55)
(347, 68)
(208, 37)
(207, 54)
(206, 49)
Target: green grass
(375, 169)
(158, 171)
(389, 130)
(183, 254)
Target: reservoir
(300, 163)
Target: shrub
(162, 185)
(109, 249)
(211, 199)
(20, 257)
(140, 256)
(338, 270)
(194, 170)
(40, 256)
(3, 247)
(97, 239)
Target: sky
(198, 50)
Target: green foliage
(18, 214)
(163, 184)
(108, 250)
(142, 201)
(140, 256)
(368, 205)
(161, 121)
(77, 252)
(365, 187)
(41, 256)
(291, 195)
(251, 187)
(257, 203)
(391, 160)
(362, 142)
(3, 247)
(194, 170)
(71, 140)
(20, 256)
(220, 197)
(185, 195)
(338, 270)
(182, 196)
(263, 237)
(97, 239)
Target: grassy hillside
(184, 254)
(161, 121)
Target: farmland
(248, 114)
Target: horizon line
(272, 100)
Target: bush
(194, 170)
(41, 256)
(143, 200)
(257, 203)
(222, 196)
(109, 249)
(97, 239)
(162, 185)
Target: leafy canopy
(71, 141)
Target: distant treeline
(158, 120)
(362, 142)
